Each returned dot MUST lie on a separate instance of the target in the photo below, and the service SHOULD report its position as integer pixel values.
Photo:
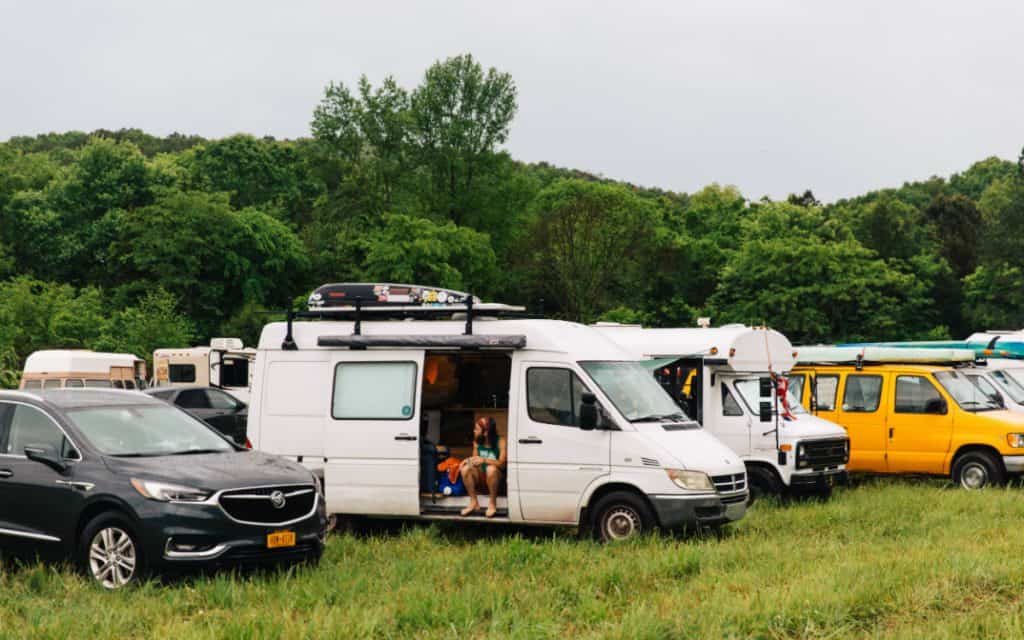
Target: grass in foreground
(910, 559)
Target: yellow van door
(920, 426)
(862, 415)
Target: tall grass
(902, 559)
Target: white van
(70, 368)
(225, 364)
(1000, 379)
(592, 440)
(726, 378)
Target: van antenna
(289, 341)
(358, 328)
(469, 315)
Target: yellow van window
(825, 392)
(862, 394)
(915, 394)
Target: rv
(390, 379)
(225, 364)
(727, 378)
(70, 368)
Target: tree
(586, 246)
(154, 322)
(994, 297)
(461, 115)
(956, 221)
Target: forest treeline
(120, 240)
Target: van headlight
(1015, 440)
(165, 492)
(692, 480)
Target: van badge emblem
(277, 499)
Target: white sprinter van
(727, 379)
(371, 402)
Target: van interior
(683, 380)
(459, 387)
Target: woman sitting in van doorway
(485, 467)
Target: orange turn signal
(785, 447)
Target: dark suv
(124, 483)
(219, 409)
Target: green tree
(461, 115)
(153, 322)
(994, 297)
(956, 222)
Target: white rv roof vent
(226, 344)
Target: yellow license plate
(280, 539)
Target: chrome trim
(84, 486)
(251, 496)
(26, 534)
(1014, 464)
(185, 555)
(316, 503)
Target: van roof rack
(386, 300)
(860, 355)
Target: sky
(773, 96)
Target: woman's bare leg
(493, 482)
(469, 479)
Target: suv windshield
(966, 393)
(750, 390)
(144, 430)
(633, 391)
(1009, 384)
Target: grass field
(912, 559)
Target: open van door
(372, 434)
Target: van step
(454, 510)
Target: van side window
(796, 385)
(862, 394)
(729, 405)
(374, 391)
(915, 394)
(73, 383)
(51, 384)
(182, 372)
(553, 396)
(825, 392)
(33, 384)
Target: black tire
(761, 482)
(110, 553)
(620, 515)
(978, 469)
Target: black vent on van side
(650, 462)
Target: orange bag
(451, 467)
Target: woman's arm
(503, 455)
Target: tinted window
(221, 400)
(729, 405)
(193, 399)
(30, 427)
(914, 394)
(182, 372)
(374, 391)
(553, 396)
(862, 394)
(825, 392)
(234, 372)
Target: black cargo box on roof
(425, 341)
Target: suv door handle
(530, 440)
(6, 473)
(404, 436)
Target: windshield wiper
(188, 452)
(660, 416)
(133, 455)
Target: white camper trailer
(727, 379)
(225, 364)
(70, 368)
(369, 400)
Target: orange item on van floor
(451, 467)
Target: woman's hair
(491, 433)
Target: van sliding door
(372, 433)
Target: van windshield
(1009, 384)
(966, 393)
(634, 391)
(152, 430)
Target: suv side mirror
(45, 455)
(588, 411)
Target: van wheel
(762, 482)
(110, 553)
(620, 515)
(977, 470)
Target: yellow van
(915, 418)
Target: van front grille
(730, 483)
(822, 453)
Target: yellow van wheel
(977, 469)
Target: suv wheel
(620, 515)
(109, 551)
(977, 470)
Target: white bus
(70, 368)
(371, 401)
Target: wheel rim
(621, 523)
(973, 476)
(112, 557)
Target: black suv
(219, 409)
(124, 483)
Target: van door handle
(6, 473)
(404, 436)
(530, 440)
(890, 433)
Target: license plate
(280, 539)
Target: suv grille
(730, 483)
(257, 506)
(822, 453)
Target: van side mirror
(766, 411)
(588, 411)
(937, 406)
(46, 455)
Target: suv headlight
(692, 480)
(1015, 440)
(165, 492)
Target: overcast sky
(771, 96)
